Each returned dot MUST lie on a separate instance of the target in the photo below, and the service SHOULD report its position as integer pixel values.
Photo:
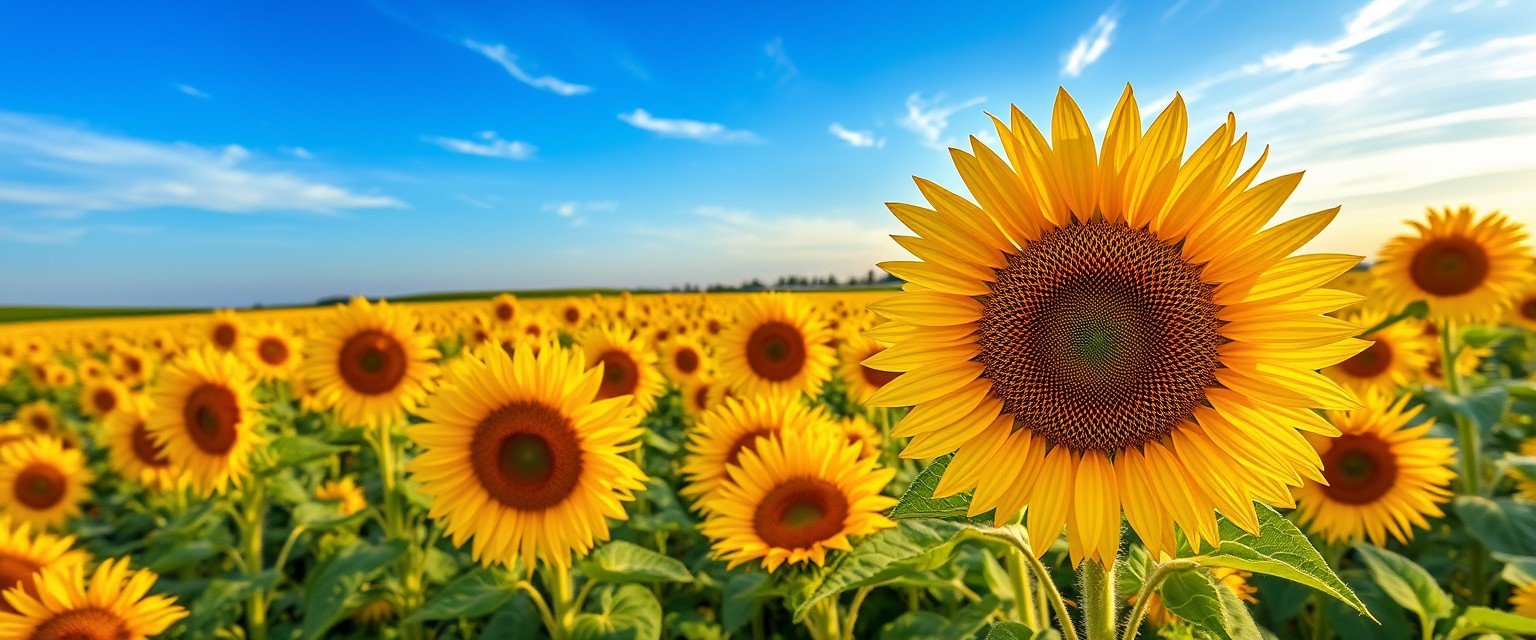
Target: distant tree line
(872, 278)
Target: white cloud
(929, 118)
(783, 69)
(575, 211)
(1090, 46)
(1375, 19)
(691, 129)
(298, 152)
(499, 54)
(51, 236)
(192, 91)
(57, 169)
(490, 146)
(856, 138)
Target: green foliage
(1198, 599)
(1279, 550)
(621, 562)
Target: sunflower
(370, 362)
(205, 420)
(518, 454)
(628, 365)
(42, 482)
(59, 376)
(683, 359)
(1526, 487)
(1234, 580)
(345, 491)
(23, 553)
(11, 433)
(795, 495)
(1397, 354)
(777, 345)
(504, 310)
(1468, 357)
(110, 603)
(696, 396)
(1523, 600)
(862, 381)
(723, 434)
(571, 314)
(41, 417)
(88, 370)
(224, 330)
(133, 452)
(1107, 322)
(1522, 313)
(1468, 269)
(1381, 475)
(101, 398)
(859, 430)
(131, 364)
(272, 350)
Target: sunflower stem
(1148, 589)
(1471, 465)
(1099, 599)
(1052, 594)
(1024, 596)
(539, 604)
(560, 601)
(853, 611)
(252, 516)
(395, 529)
(822, 620)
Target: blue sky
(232, 153)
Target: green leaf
(1010, 631)
(918, 501)
(1348, 623)
(740, 599)
(1484, 407)
(1408, 584)
(625, 612)
(474, 594)
(337, 580)
(622, 562)
(296, 450)
(1197, 598)
(1279, 550)
(921, 625)
(914, 625)
(1485, 620)
(913, 546)
(967, 621)
(1518, 570)
(319, 516)
(1503, 525)
(518, 620)
(218, 605)
(181, 556)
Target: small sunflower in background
(272, 350)
(861, 380)
(778, 345)
(101, 398)
(1526, 487)
(1523, 600)
(345, 492)
(13, 432)
(109, 604)
(520, 456)
(59, 376)
(504, 310)
(224, 330)
(683, 359)
(1382, 476)
(24, 551)
(1468, 357)
(370, 363)
(628, 365)
(131, 364)
(1522, 313)
(1397, 354)
(797, 495)
(133, 451)
(1468, 268)
(42, 482)
(88, 369)
(572, 314)
(41, 417)
(723, 434)
(859, 430)
(206, 420)
(697, 397)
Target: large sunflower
(519, 455)
(109, 604)
(23, 553)
(272, 350)
(1114, 323)
(1397, 354)
(42, 482)
(1382, 476)
(628, 364)
(861, 380)
(1468, 269)
(205, 420)
(133, 452)
(778, 344)
(370, 363)
(793, 497)
(726, 432)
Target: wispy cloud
(1090, 45)
(52, 168)
(298, 152)
(47, 236)
(576, 211)
(783, 69)
(193, 91)
(1375, 19)
(499, 54)
(713, 132)
(856, 138)
(929, 118)
(489, 145)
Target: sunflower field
(1110, 401)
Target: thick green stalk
(253, 515)
(1471, 449)
(1024, 595)
(561, 601)
(1099, 599)
(396, 528)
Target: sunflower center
(135, 366)
(527, 456)
(1371, 362)
(210, 414)
(1359, 468)
(16, 571)
(713, 326)
(372, 362)
(146, 449)
(621, 376)
(746, 442)
(776, 351)
(83, 624)
(272, 351)
(701, 397)
(224, 336)
(687, 360)
(1099, 336)
(41, 423)
(799, 513)
(39, 486)
(1449, 266)
(572, 314)
(104, 400)
(1528, 308)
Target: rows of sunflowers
(1147, 419)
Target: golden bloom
(205, 420)
(723, 434)
(683, 359)
(224, 330)
(133, 452)
(504, 310)
(1523, 600)
(101, 398)
(272, 350)
(859, 430)
(43, 483)
(41, 417)
(23, 553)
(777, 345)
(628, 365)
(370, 363)
(1397, 354)
(1116, 328)
(1468, 269)
(862, 381)
(110, 604)
(345, 491)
